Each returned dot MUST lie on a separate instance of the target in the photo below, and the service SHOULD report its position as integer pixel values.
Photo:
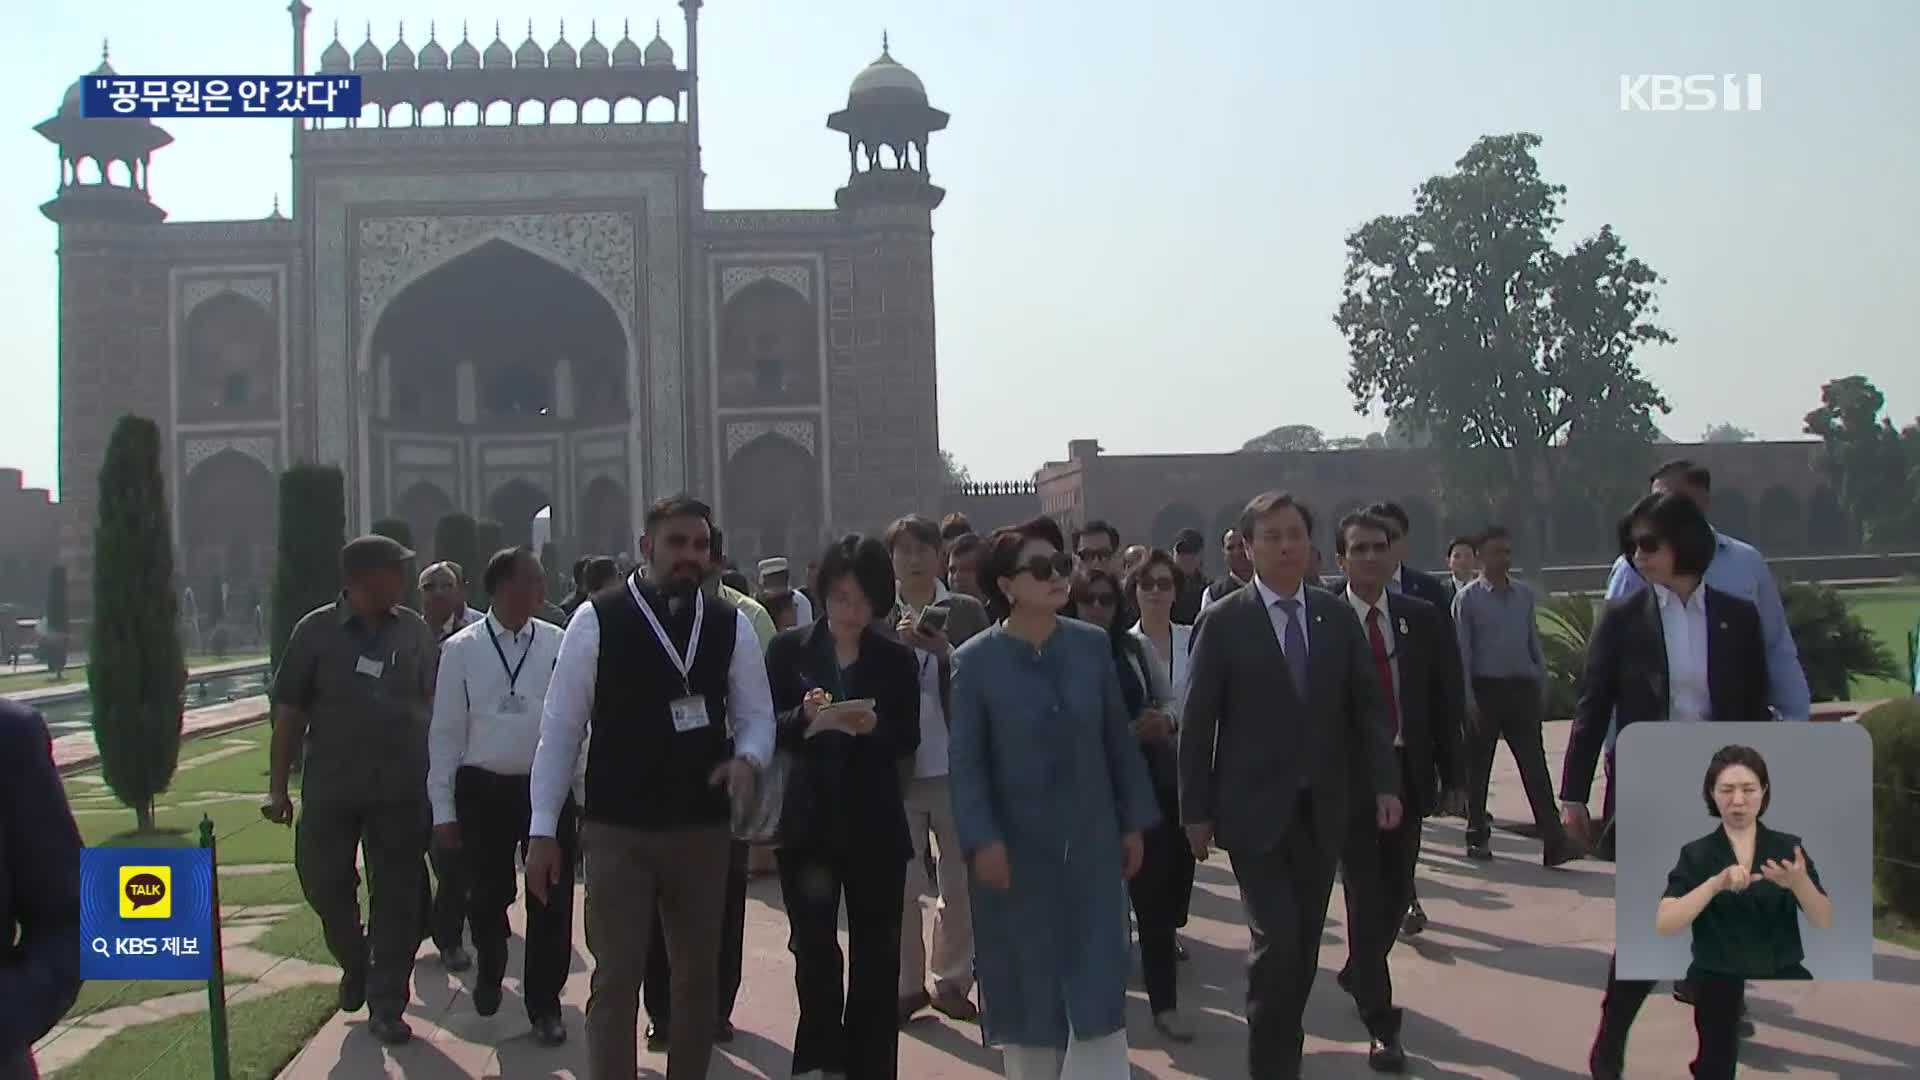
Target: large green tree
(136, 673)
(1726, 433)
(1871, 466)
(313, 529)
(1286, 438)
(1463, 322)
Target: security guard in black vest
(355, 686)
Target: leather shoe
(486, 999)
(913, 1003)
(656, 1038)
(1415, 922)
(353, 991)
(1384, 1054)
(956, 1007)
(390, 1030)
(456, 958)
(549, 1031)
(1480, 852)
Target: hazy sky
(1143, 236)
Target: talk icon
(146, 892)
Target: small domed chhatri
(334, 60)
(529, 54)
(626, 53)
(432, 56)
(561, 55)
(367, 57)
(465, 56)
(594, 53)
(659, 53)
(400, 57)
(886, 82)
(498, 55)
(70, 102)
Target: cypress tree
(57, 598)
(400, 531)
(313, 529)
(136, 672)
(456, 540)
(487, 539)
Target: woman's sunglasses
(1100, 600)
(1044, 567)
(1155, 584)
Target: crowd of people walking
(1045, 732)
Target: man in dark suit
(1281, 706)
(39, 892)
(1420, 585)
(1417, 666)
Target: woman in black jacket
(843, 827)
(1678, 651)
(1167, 870)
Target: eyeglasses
(1100, 599)
(1155, 584)
(1045, 567)
(1094, 554)
(1648, 543)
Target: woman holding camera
(847, 703)
(1050, 798)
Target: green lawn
(179, 1049)
(1890, 613)
(224, 777)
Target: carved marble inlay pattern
(735, 278)
(415, 454)
(608, 450)
(742, 432)
(516, 455)
(258, 447)
(540, 479)
(199, 291)
(770, 220)
(599, 244)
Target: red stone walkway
(1505, 984)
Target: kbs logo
(146, 892)
(1689, 93)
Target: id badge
(690, 713)
(368, 666)
(513, 704)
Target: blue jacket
(39, 890)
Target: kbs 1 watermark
(1690, 93)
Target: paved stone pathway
(1505, 984)
(77, 750)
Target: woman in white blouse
(1152, 589)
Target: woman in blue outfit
(1050, 798)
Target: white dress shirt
(456, 622)
(473, 722)
(1175, 668)
(802, 609)
(1684, 625)
(1272, 599)
(1361, 608)
(930, 760)
(563, 725)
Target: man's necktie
(1383, 667)
(1294, 642)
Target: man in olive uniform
(355, 686)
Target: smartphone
(933, 620)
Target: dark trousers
(1716, 1022)
(392, 837)
(1159, 892)
(1285, 892)
(853, 1031)
(1510, 709)
(1376, 878)
(657, 990)
(443, 909)
(493, 812)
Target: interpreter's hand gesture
(815, 700)
(990, 865)
(1734, 878)
(1787, 875)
